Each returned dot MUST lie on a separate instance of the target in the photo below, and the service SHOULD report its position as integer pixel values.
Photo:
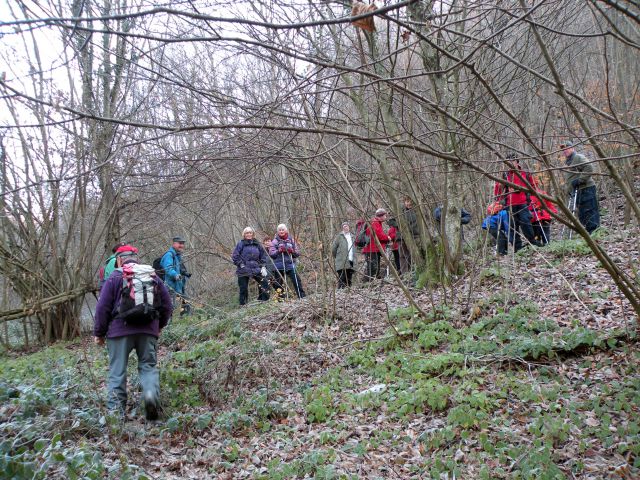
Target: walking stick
(283, 277)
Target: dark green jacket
(579, 169)
(340, 251)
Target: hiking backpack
(362, 239)
(140, 300)
(157, 266)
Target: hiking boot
(150, 406)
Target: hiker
(465, 217)
(517, 202)
(371, 251)
(497, 223)
(250, 259)
(284, 251)
(131, 312)
(411, 220)
(395, 236)
(581, 188)
(109, 265)
(170, 263)
(541, 217)
(343, 250)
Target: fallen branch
(45, 304)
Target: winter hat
(117, 246)
(380, 212)
(128, 254)
(344, 223)
(567, 144)
(126, 250)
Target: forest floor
(527, 368)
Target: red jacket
(378, 230)
(538, 213)
(513, 198)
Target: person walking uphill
(517, 202)
(250, 259)
(581, 188)
(284, 251)
(343, 250)
(170, 262)
(133, 308)
(371, 252)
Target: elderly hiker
(580, 187)
(171, 262)
(343, 251)
(372, 253)
(284, 251)
(250, 260)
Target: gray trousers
(119, 350)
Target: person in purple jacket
(284, 251)
(122, 337)
(250, 258)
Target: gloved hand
(289, 247)
(577, 182)
(281, 249)
(263, 271)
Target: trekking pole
(283, 277)
(295, 274)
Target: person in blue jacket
(170, 262)
(497, 222)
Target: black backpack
(157, 266)
(362, 239)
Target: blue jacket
(249, 257)
(171, 264)
(499, 220)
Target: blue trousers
(119, 350)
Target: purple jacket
(249, 256)
(107, 324)
(284, 261)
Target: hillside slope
(527, 368)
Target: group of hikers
(517, 216)
(268, 263)
(136, 301)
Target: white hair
(282, 226)
(248, 230)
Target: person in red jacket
(517, 202)
(541, 218)
(371, 252)
(394, 235)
